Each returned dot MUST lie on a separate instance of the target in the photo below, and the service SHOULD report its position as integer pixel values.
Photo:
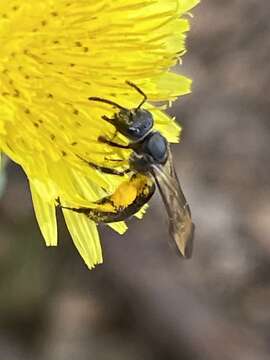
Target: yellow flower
(54, 55)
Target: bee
(152, 166)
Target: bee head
(135, 124)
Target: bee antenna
(106, 101)
(139, 91)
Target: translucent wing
(181, 227)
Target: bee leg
(111, 121)
(77, 210)
(111, 143)
(114, 135)
(106, 118)
(81, 210)
(119, 162)
(106, 170)
(114, 160)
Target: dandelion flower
(55, 54)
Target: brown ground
(145, 302)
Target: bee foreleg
(112, 143)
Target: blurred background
(144, 302)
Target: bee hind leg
(77, 210)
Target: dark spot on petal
(74, 143)
(17, 93)
(52, 136)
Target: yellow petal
(141, 212)
(45, 214)
(186, 5)
(119, 227)
(85, 237)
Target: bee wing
(181, 227)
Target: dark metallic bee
(151, 163)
